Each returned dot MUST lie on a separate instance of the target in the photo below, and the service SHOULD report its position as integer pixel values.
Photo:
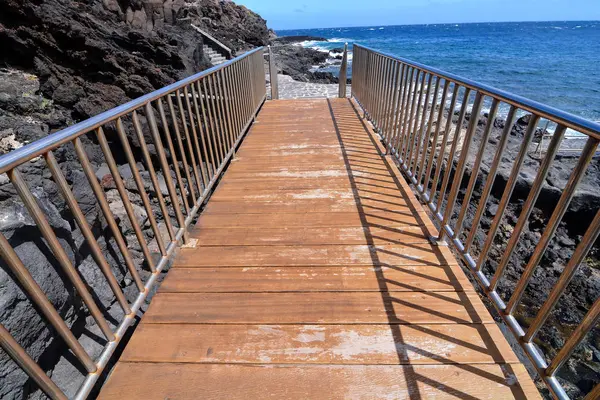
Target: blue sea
(557, 63)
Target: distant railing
(343, 76)
(216, 45)
(195, 125)
(419, 112)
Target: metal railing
(343, 76)
(195, 126)
(420, 114)
(215, 44)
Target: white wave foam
(339, 40)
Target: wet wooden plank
(317, 308)
(333, 255)
(331, 382)
(448, 278)
(320, 344)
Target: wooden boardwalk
(314, 277)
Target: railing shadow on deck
(352, 137)
(435, 126)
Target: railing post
(273, 76)
(343, 77)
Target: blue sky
(296, 14)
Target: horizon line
(440, 23)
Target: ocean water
(556, 63)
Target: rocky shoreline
(305, 64)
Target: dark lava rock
(297, 61)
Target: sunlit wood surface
(314, 277)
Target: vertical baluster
(460, 167)
(238, 99)
(223, 107)
(182, 151)
(83, 225)
(190, 145)
(390, 110)
(200, 144)
(214, 87)
(44, 226)
(414, 130)
(455, 140)
(393, 106)
(510, 185)
(420, 132)
(427, 131)
(434, 142)
(561, 208)
(442, 151)
(589, 321)
(212, 116)
(407, 132)
(27, 364)
(153, 178)
(395, 140)
(532, 197)
(586, 244)
(475, 169)
(140, 185)
(110, 219)
(162, 159)
(209, 124)
(233, 79)
(38, 297)
(186, 131)
(112, 166)
(167, 132)
(485, 193)
(408, 86)
(228, 107)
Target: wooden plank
(448, 278)
(232, 214)
(333, 255)
(384, 196)
(148, 381)
(370, 207)
(277, 184)
(317, 308)
(296, 172)
(256, 236)
(355, 190)
(320, 344)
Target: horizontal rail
(193, 127)
(420, 114)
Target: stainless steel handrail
(396, 96)
(203, 119)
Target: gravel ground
(291, 89)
